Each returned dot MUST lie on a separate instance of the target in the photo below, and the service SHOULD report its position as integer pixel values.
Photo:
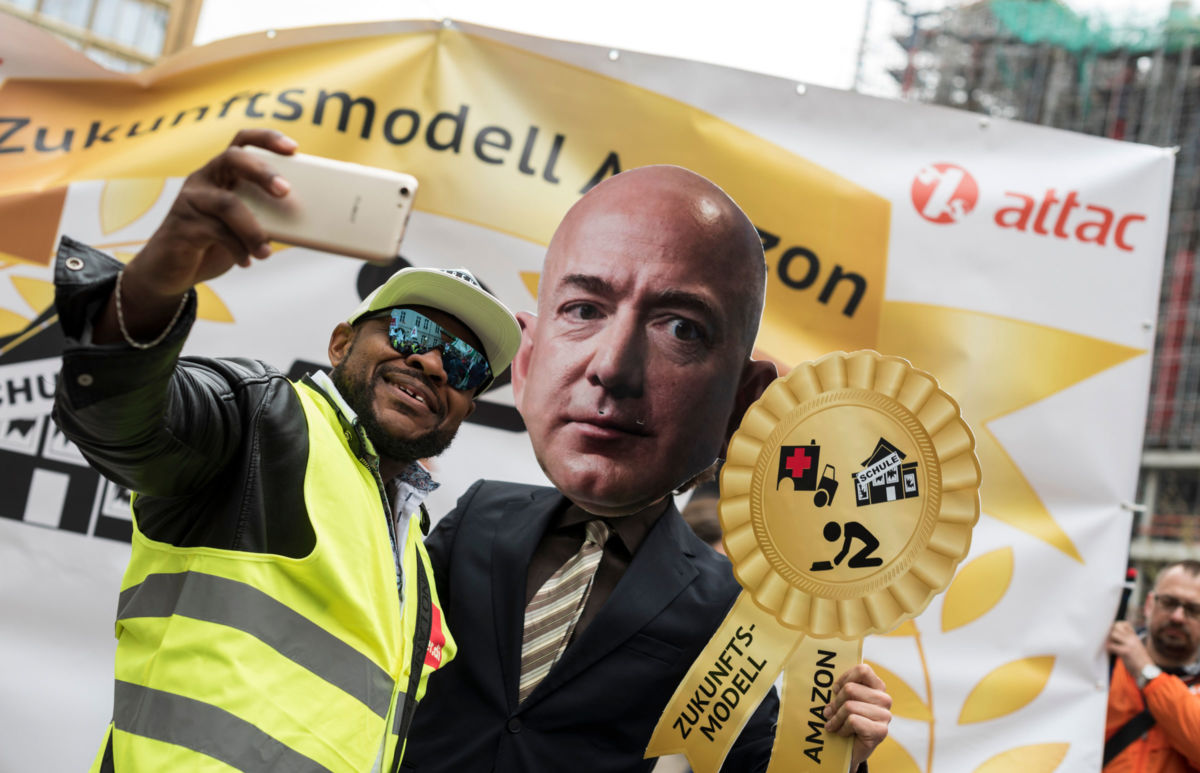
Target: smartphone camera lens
(404, 190)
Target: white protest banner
(1019, 264)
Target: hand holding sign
(821, 570)
(860, 710)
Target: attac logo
(944, 193)
(1090, 223)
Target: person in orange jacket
(1153, 723)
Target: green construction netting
(1052, 22)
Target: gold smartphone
(333, 206)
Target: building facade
(123, 35)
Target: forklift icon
(827, 487)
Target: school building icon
(885, 476)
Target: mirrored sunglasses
(411, 332)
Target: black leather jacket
(215, 448)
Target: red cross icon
(798, 463)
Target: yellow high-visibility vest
(230, 660)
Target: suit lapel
(658, 573)
(521, 525)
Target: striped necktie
(555, 608)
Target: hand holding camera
(228, 211)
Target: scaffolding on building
(1041, 62)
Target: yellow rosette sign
(847, 500)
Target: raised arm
(206, 232)
(141, 420)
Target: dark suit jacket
(596, 709)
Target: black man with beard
(279, 610)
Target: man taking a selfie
(278, 611)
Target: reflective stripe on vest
(246, 608)
(270, 663)
(204, 728)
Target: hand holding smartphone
(334, 206)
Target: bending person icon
(853, 530)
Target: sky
(810, 41)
